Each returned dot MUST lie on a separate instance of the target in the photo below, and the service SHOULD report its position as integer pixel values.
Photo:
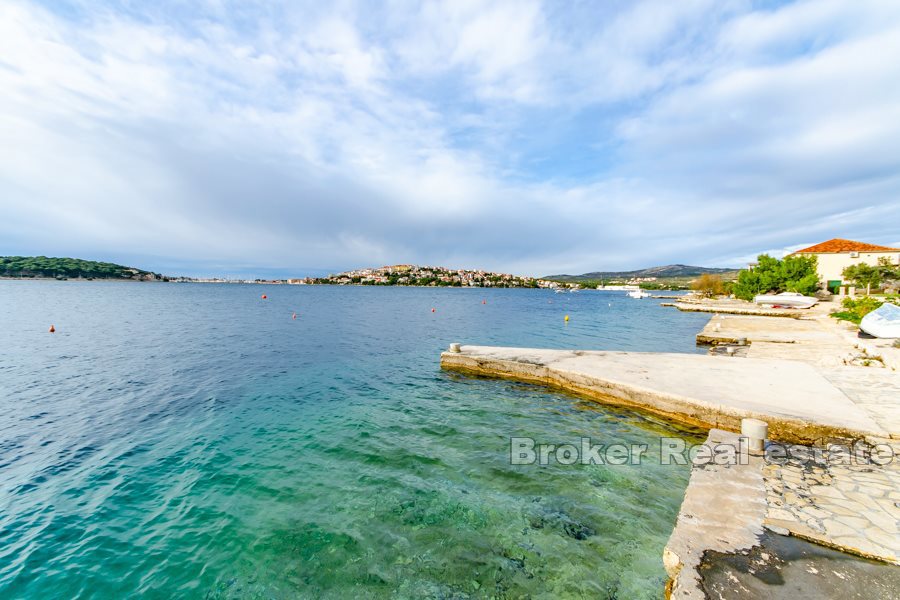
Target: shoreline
(286, 283)
(800, 375)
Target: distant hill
(664, 272)
(64, 268)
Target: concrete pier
(755, 510)
(796, 400)
(735, 307)
(723, 510)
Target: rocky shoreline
(798, 375)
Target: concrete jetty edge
(723, 510)
(625, 379)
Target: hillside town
(415, 275)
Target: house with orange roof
(836, 255)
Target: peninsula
(43, 267)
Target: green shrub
(792, 274)
(856, 308)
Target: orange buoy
(52, 329)
(264, 296)
(432, 310)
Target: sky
(263, 139)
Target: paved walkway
(838, 498)
(865, 370)
(814, 337)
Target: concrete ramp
(799, 404)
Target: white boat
(787, 300)
(617, 288)
(638, 294)
(883, 322)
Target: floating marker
(567, 318)
(484, 301)
(293, 315)
(264, 296)
(52, 329)
(432, 310)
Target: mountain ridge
(660, 272)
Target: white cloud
(448, 132)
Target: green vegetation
(873, 277)
(792, 274)
(863, 276)
(61, 268)
(856, 308)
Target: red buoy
(264, 296)
(432, 310)
(52, 329)
(294, 316)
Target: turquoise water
(190, 440)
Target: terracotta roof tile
(839, 245)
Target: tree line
(43, 266)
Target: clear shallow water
(190, 440)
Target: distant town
(415, 275)
(668, 277)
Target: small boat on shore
(638, 294)
(786, 300)
(883, 322)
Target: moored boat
(638, 294)
(883, 322)
(786, 300)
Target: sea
(180, 440)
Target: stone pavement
(814, 338)
(720, 548)
(838, 498)
(877, 391)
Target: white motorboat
(786, 300)
(638, 294)
(883, 322)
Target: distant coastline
(404, 275)
(44, 267)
